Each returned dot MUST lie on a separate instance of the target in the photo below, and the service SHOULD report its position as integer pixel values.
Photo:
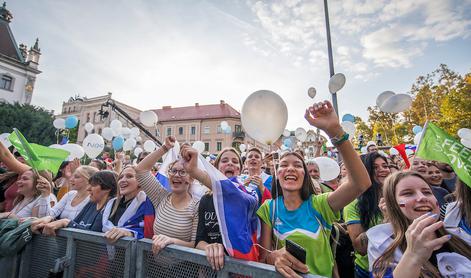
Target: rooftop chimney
(222, 102)
(197, 104)
(167, 107)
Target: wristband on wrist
(337, 140)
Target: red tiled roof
(197, 112)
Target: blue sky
(156, 53)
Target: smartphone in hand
(296, 250)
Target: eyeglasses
(174, 172)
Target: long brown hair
(400, 223)
(463, 200)
(36, 192)
(218, 158)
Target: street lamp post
(329, 49)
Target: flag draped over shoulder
(171, 156)
(37, 156)
(436, 144)
(236, 212)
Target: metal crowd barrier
(78, 253)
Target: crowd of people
(395, 221)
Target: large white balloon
(464, 133)
(148, 118)
(59, 123)
(466, 143)
(349, 128)
(116, 125)
(264, 116)
(383, 97)
(93, 145)
(149, 146)
(76, 151)
(336, 82)
(88, 127)
(4, 139)
(300, 134)
(397, 103)
(107, 133)
(199, 146)
(328, 168)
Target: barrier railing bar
(129, 262)
(25, 264)
(71, 254)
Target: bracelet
(339, 140)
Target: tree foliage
(34, 122)
(443, 97)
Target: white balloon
(383, 97)
(466, 143)
(224, 125)
(149, 146)
(242, 147)
(126, 132)
(4, 139)
(93, 145)
(300, 134)
(336, 82)
(129, 144)
(393, 151)
(464, 133)
(311, 92)
(363, 150)
(306, 150)
(243, 154)
(139, 139)
(55, 146)
(135, 132)
(349, 128)
(199, 146)
(116, 125)
(417, 138)
(76, 151)
(397, 103)
(59, 123)
(329, 169)
(148, 118)
(264, 116)
(286, 133)
(88, 127)
(137, 151)
(107, 133)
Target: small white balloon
(148, 118)
(409, 152)
(311, 92)
(383, 97)
(126, 132)
(199, 146)
(88, 127)
(116, 125)
(139, 139)
(466, 143)
(149, 146)
(59, 123)
(393, 151)
(224, 125)
(243, 154)
(286, 133)
(129, 144)
(300, 134)
(107, 133)
(135, 132)
(4, 139)
(329, 169)
(417, 138)
(336, 82)
(242, 147)
(93, 145)
(464, 133)
(137, 151)
(349, 128)
(76, 151)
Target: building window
(180, 131)
(7, 82)
(69, 109)
(206, 146)
(218, 146)
(88, 117)
(219, 129)
(238, 128)
(99, 130)
(169, 131)
(193, 130)
(94, 117)
(206, 130)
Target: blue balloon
(118, 143)
(416, 129)
(71, 122)
(287, 142)
(348, 118)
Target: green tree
(34, 122)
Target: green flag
(436, 144)
(37, 156)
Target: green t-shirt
(351, 214)
(309, 226)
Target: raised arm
(190, 155)
(11, 162)
(149, 161)
(323, 116)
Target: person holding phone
(295, 213)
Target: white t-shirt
(25, 208)
(64, 209)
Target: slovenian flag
(162, 175)
(236, 208)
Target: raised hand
(190, 156)
(44, 186)
(322, 115)
(170, 142)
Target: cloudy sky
(155, 53)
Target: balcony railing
(238, 134)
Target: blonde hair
(400, 224)
(86, 171)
